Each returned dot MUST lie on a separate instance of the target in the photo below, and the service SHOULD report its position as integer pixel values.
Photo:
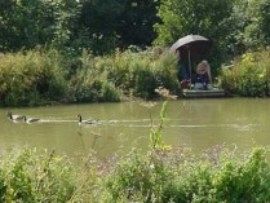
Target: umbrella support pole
(189, 64)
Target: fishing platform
(198, 93)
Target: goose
(85, 122)
(15, 117)
(31, 120)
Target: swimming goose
(85, 122)
(15, 117)
(31, 120)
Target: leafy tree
(208, 18)
(71, 25)
(136, 22)
(98, 22)
(66, 14)
(257, 32)
(249, 22)
(108, 24)
(28, 23)
(25, 23)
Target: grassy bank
(158, 176)
(37, 77)
(250, 75)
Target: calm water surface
(198, 124)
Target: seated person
(203, 76)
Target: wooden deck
(211, 93)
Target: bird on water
(31, 120)
(85, 122)
(15, 117)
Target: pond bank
(38, 77)
(34, 78)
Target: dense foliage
(37, 77)
(28, 78)
(118, 23)
(158, 176)
(233, 26)
(76, 33)
(206, 18)
(69, 24)
(26, 24)
(250, 75)
(103, 25)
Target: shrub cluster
(159, 176)
(30, 78)
(250, 76)
(34, 77)
(35, 177)
(129, 73)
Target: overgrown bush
(164, 177)
(139, 178)
(141, 73)
(133, 74)
(39, 76)
(30, 78)
(36, 177)
(250, 75)
(157, 176)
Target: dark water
(198, 124)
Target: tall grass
(250, 76)
(31, 77)
(168, 177)
(158, 176)
(132, 74)
(35, 177)
(37, 76)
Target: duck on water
(14, 117)
(87, 122)
(31, 120)
(21, 118)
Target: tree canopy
(104, 25)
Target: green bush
(35, 177)
(141, 73)
(250, 75)
(40, 76)
(135, 74)
(31, 77)
(139, 178)
(157, 176)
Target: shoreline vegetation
(157, 176)
(71, 51)
(38, 77)
(34, 77)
